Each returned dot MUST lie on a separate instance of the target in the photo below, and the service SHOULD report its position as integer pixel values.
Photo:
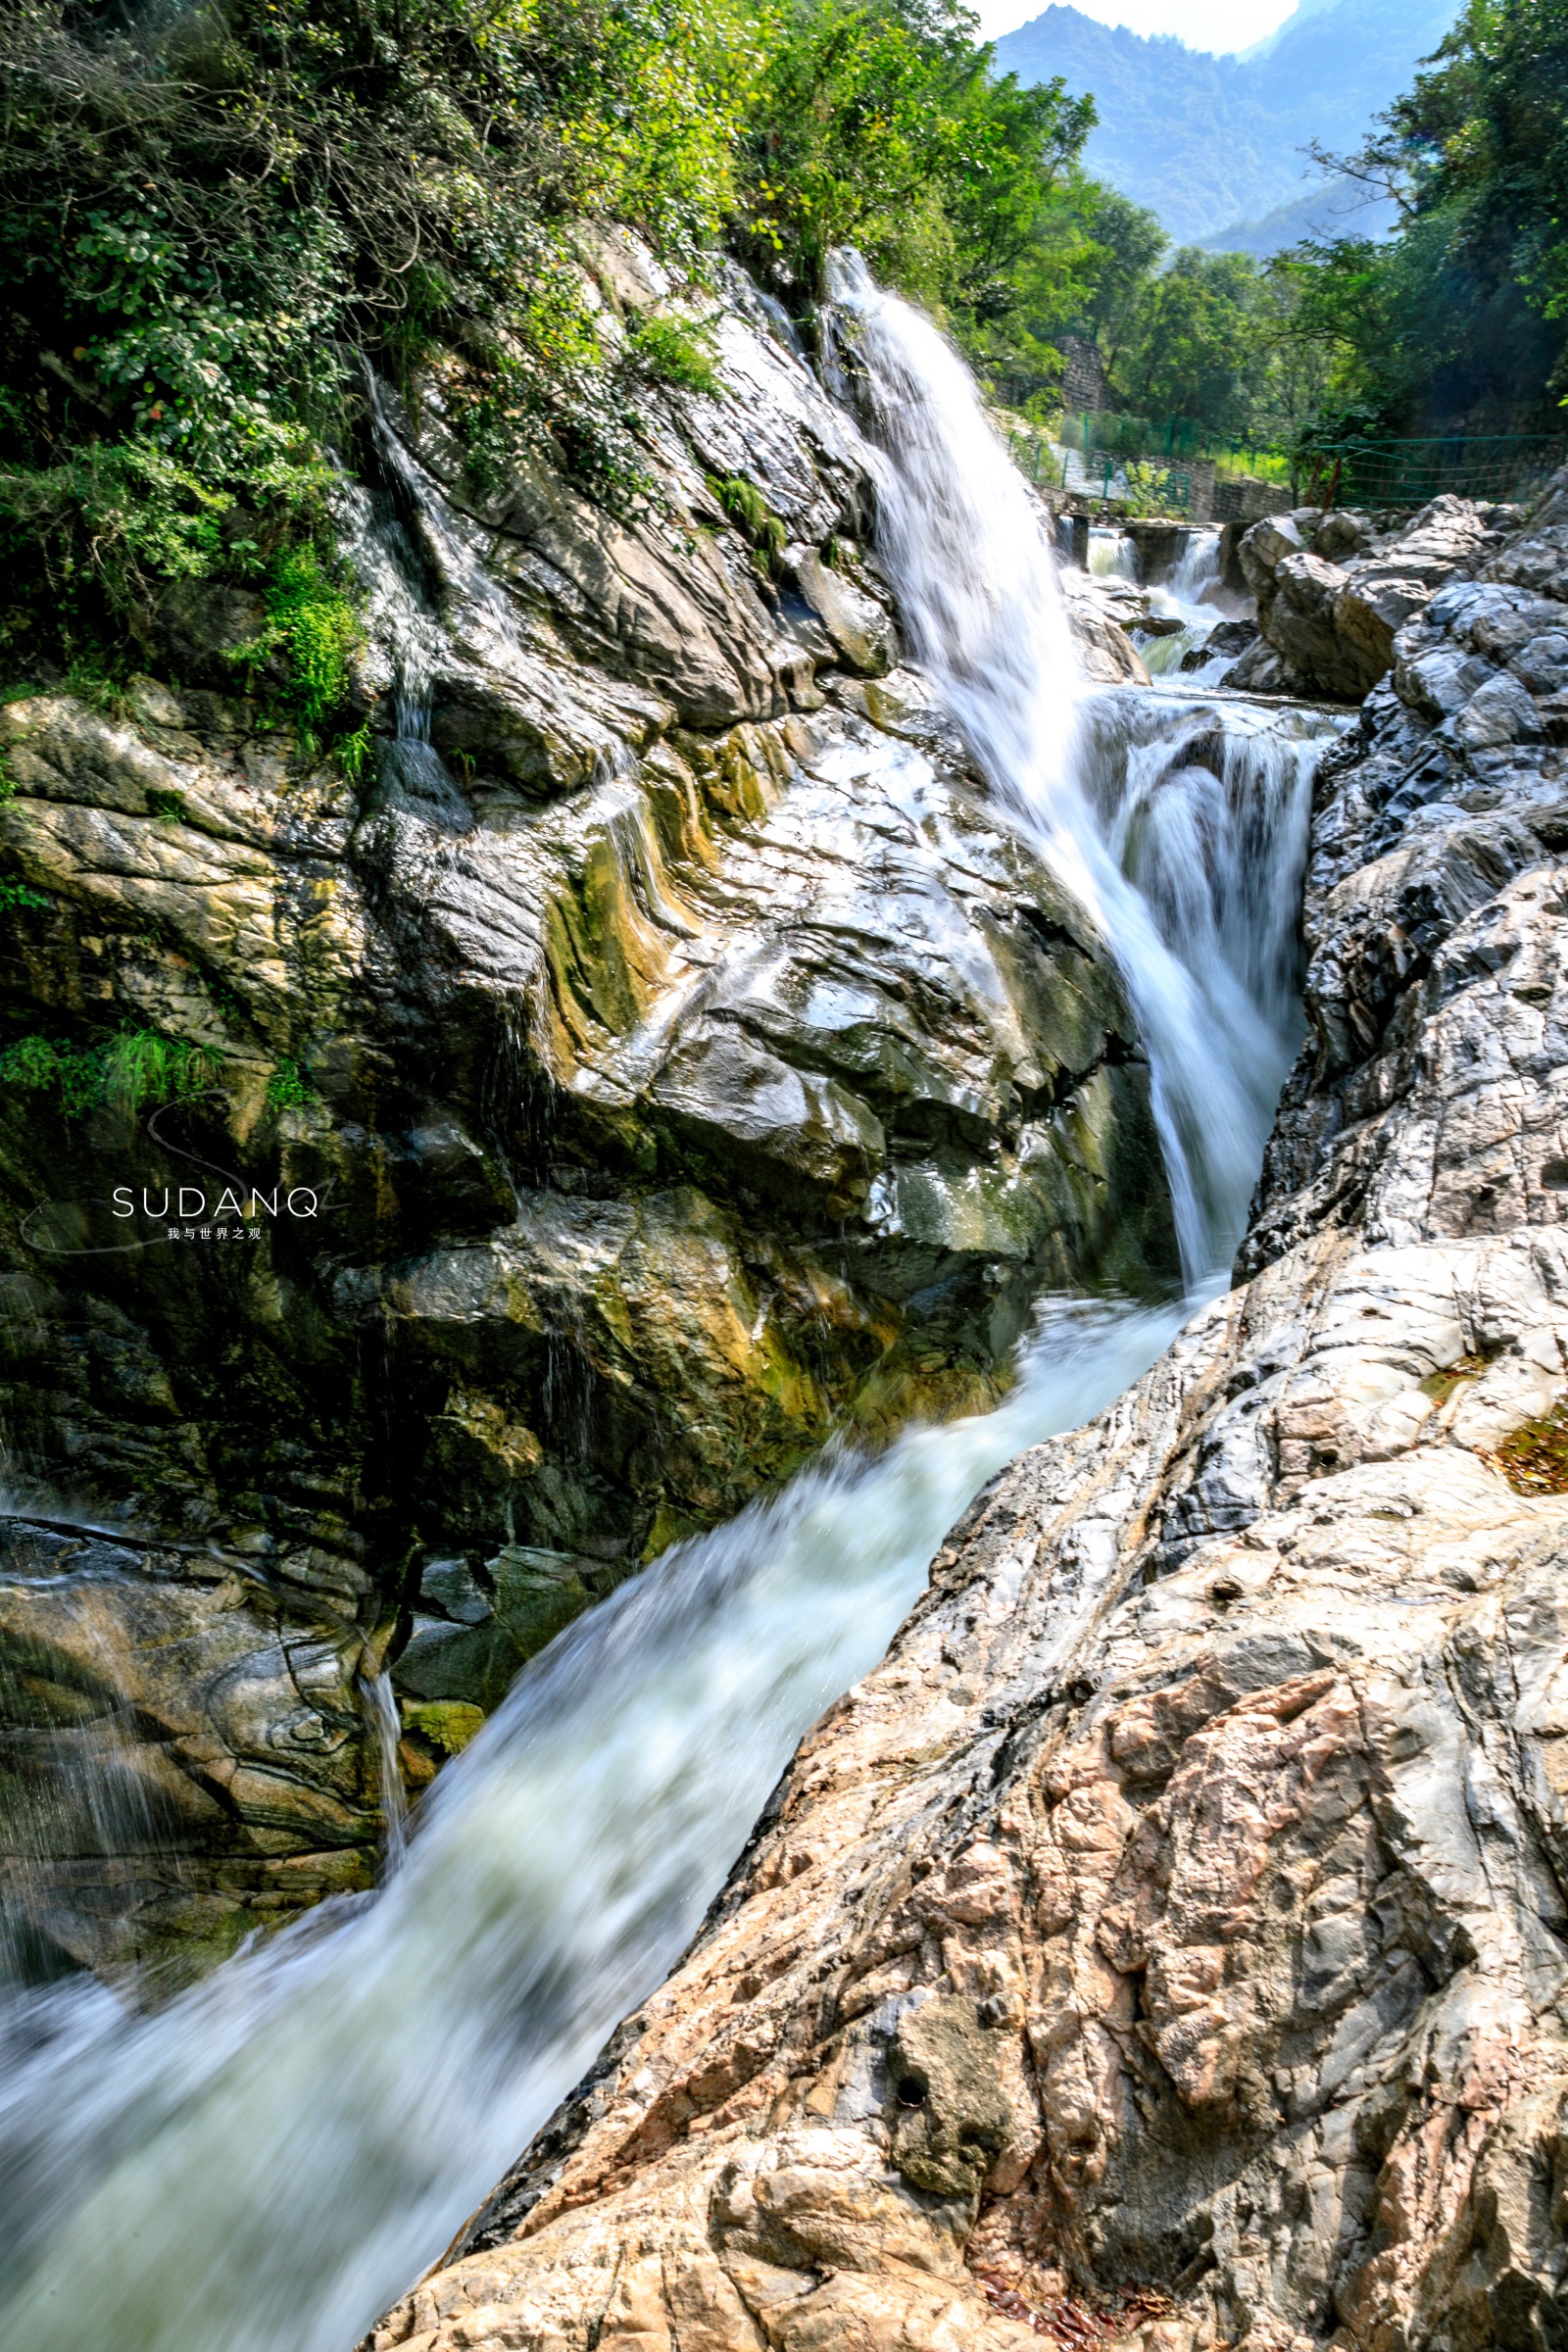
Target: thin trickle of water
(261, 2166)
(386, 1730)
(969, 555)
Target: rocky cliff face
(1167, 1943)
(658, 1059)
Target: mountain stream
(263, 2164)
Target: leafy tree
(879, 123)
(1195, 346)
(1456, 320)
(207, 215)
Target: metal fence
(1363, 472)
(1176, 439)
(1133, 479)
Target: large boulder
(1332, 594)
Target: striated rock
(1331, 595)
(660, 1057)
(1169, 1941)
(184, 1753)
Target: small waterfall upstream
(976, 580)
(265, 2163)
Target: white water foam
(262, 2166)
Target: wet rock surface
(1168, 1942)
(659, 1058)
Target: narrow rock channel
(1162, 1942)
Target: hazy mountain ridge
(1212, 142)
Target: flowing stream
(263, 2165)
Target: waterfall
(1197, 566)
(1113, 554)
(1191, 596)
(265, 2163)
(969, 554)
(386, 1730)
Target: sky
(1218, 25)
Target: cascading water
(1111, 555)
(969, 557)
(264, 2164)
(1192, 597)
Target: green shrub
(92, 683)
(352, 751)
(142, 1066)
(139, 1066)
(675, 352)
(318, 631)
(289, 1087)
(15, 896)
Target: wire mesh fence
(1362, 472)
(1142, 483)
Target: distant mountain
(1213, 144)
(1331, 208)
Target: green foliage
(1456, 322)
(8, 781)
(314, 623)
(142, 1066)
(206, 214)
(170, 805)
(880, 122)
(675, 352)
(352, 753)
(94, 684)
(754, 517)
(289, 1087)
(15, 896)
(136, 1068)
(1196, 342)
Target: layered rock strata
(1168, 1942)
(656, 1057)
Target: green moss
(1440, 1386)
(448, 1724)
(1533, 1458)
